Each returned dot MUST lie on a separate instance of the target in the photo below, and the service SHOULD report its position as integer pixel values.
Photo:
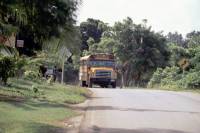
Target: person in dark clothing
(54, 73)
(43, 70)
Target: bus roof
(99, 55)
(85, 57)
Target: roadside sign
(20, 43)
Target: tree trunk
(127, 75)
(122, 80)
(63, 72)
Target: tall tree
(176, 38)
(92, 28)
(106, 45)
(140, 51)
(40, 20)
(193, 39)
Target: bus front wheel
(83, 84)
(90, 84)
(114, 85)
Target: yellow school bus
(98, 69)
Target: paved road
(142, 111)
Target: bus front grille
(103, 73)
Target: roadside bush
(191, 81)
(175, 77)
(156, 78)
(20, 63)
(195, 60)
(177, 53)
(167, 76)
(32, 68)
(170, 75)
(7, 68)
(31, 75)
(34, 88)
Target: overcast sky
(163, 15)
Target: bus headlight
(112, 80)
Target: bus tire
(114, 85)
(83, 84)
(90, 84)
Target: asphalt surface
(142, 111)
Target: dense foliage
(37, 20)
(7, 68)
(184, 70)
(140, 50)
(92, 28)
(47, 25)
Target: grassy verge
(32, 107)
(174, 88)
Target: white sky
(163, 15)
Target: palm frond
(8, 51)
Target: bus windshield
(102, 63)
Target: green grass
(24, 111)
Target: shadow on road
(136, 110)
(96, 129)
(95, 108)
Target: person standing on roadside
(54, 73)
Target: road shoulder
(74, 123)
